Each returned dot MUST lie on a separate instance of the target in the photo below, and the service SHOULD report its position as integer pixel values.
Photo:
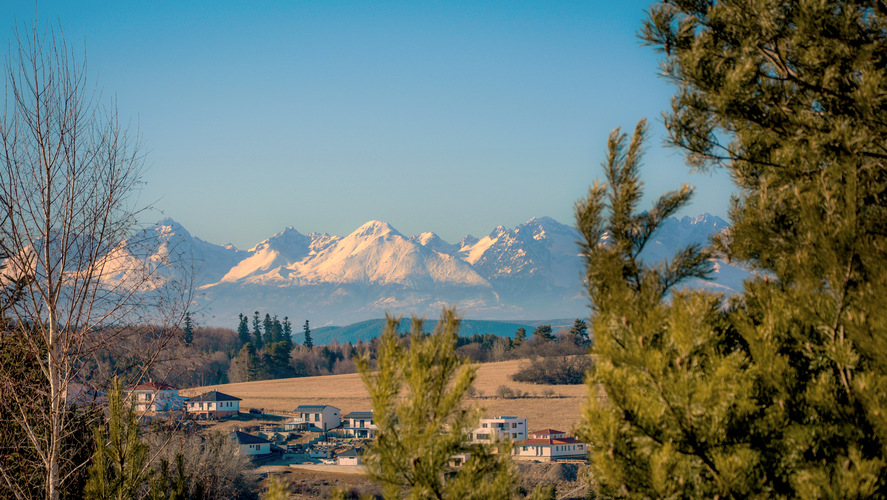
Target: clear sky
(451, 117)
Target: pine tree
(243, 330)
(417, 395)
(268, 328)
(276, 329)
(542, 333)
(288, 333)
(519, 336)
(308, 342)
(580, 333)
(188, 330)
(672, 424)
(790, 380)
(120, 464)
(257, 332)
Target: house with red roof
(550, 444)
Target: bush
(556, 370)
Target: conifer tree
(243, 330)
(580, 332)
(276, 329)
(188, 329)
(417, 394)
(288, 333)
(790, 380)
(268, 329)
(258, 342)
(519, 336)
(120, 464)
(542, 333)
(308, 342)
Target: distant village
(321, 434)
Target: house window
(485, 426)
(513, 425)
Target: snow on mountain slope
(532, 270)
(273, 260)
(376, 254)
(542, 250)
(169, 251)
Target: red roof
(152, 386)
(566, 440)
(548, 431)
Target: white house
(154, 396)
(500, 429)
(322, 417)
(247, 444)
(214, 404)
(359, 424)
(550, 444)
(350, 457)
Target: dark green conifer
(542, 333)
(243, 330)
(519, 336)
(308, 342)
(288, 333)
(579, 331)
(188, 329)
(258, 341)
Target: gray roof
(360, 414)
(244, 438)
(214, 396)
(307, 408)
(353, 452)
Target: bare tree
(69, 175)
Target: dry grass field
(549, 406)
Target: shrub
(558, 370)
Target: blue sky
(451, 117)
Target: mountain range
(531, 271)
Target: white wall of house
(327, 418)
(228, 407)
(360, 427)
(255, 449)
(500, 429)
(161, 400)
(569, 448)
(355, 460)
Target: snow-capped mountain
(530, 271)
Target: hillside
(366, 330)
(347, 393)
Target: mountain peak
(375, 228)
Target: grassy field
(549, 406)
